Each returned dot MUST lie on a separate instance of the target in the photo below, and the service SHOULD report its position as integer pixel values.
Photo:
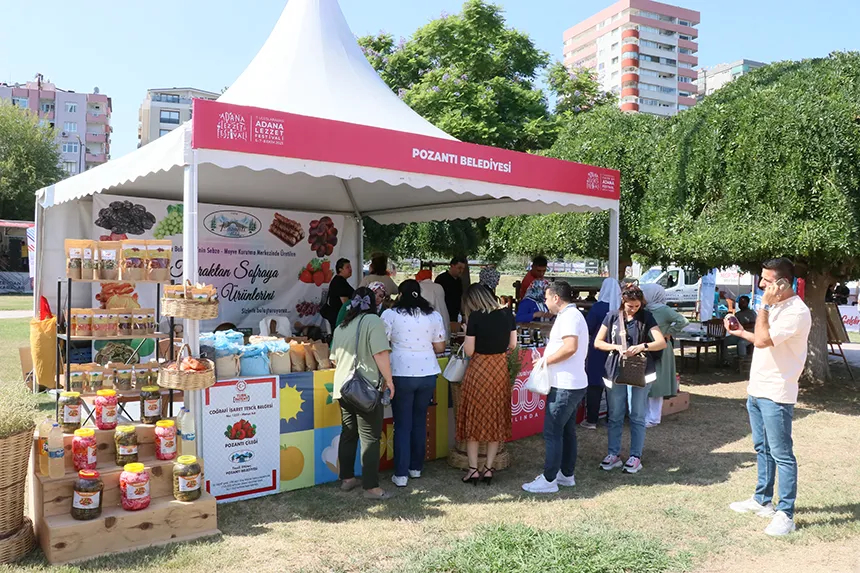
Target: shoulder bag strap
(358, 335)
(622, 330)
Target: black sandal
(484, 473)
(472, 476)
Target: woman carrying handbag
(634, 342)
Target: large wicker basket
(19, 543)
(15, 453)
(180, 380)
(190, 309)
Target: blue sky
(125, 47)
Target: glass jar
(70, 411)
(125, 439)
(165, 439)
(187, 479)
(134, 487)
(87, 495)
(105, 409)
(150, 404)
(84, 449)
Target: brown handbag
(631, 370)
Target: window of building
(655, 16)
(20, 102)
(600, 53)
(614, 75)
(614, 60)
(169, 116)
(685, 65)
(685, 37)
(173, 98)
(600, 67)
(616, 31)
(614, 46)
(70, 126)
(685, 50)
(682, 107)
(684, 23)
(685, 94)
(630, 55)
(643, 28)
(655, 102)
(162, 132)
(71, 107)
(70, 147)
(70, 167)
(47, 106)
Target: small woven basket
(186, 380)
(189, 308)
(19, 543)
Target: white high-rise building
(164, 110)
(713, 78)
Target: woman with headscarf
(609, 298)
(489, 277)
(533, 308)
(381, 293)
(671, 324)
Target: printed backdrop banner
(850, 318)
(263, 262)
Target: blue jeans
(618, 399)
(559, 431)
(771, 432)
(412, 396)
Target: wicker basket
(190, 309)
(180, 380)
(19, 544)
(15, 453)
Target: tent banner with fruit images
(241, 427)
(262, 262)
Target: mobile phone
(782, 284)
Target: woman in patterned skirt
(485, 402)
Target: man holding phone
(780, 340)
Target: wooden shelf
(157, 335)
(66, 540)
(129, 281)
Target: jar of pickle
(165, 439)
(84, 448)
(125, 439)
(70, 411)
(134, 487)
(187, 479)
(150, 404)
(105, 409)
(87, 495)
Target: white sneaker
(414, 474)
(400, 481)
(540, 485)
(562, 479)
(611, 462)
(752, 506)
(632, 466)
(585, 424)
(780, 525)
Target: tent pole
(613, 242)
(191, 328)
(359, 224)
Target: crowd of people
(622, 346)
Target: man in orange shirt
(537, 271)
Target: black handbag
(357, 391)
(631, 370)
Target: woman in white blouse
(416, 333)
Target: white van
(682, 285)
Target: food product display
(74, 250)
(109, 255)
(187, 479)
(95, 377)
(134, 487)
(134, 260)
(81, 322)
(124, 323)
(188, 364)
(78, 377)
(84, 448)
(287, 230)
(125, 440)
(203, 293)
(170, 225)
(143, 322)
(316, 272)
(104, 324)
(115, 352)
(151, 324)
(87, 495)
(70, 411)
(165, 439)
(105, 405)
(158, 257)
(125, 218)
(118, 296)
(122, 375)
(322, 236)
(89, 266)
(150, 404)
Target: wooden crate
(676, 404)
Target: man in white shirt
(780, 340)
(435, 295)
(565, 359)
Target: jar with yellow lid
(106, 406)
(165, 439)
(125, 440)
(70, 411)
(187, 479)
(150, 404)
(134, 487)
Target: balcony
(96, 137)
(630, 91)
(688, 101)
(629, 106)
(629, 77)
(688, 73)
(688, 44)
(629, 48)
(690, 87)
(687, 58)
(629, 34)
(96, 158)
(96, 117)
(629, 63)
(97, 98)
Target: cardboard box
(676, 404)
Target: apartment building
(713, 78)
(164, 110)
(81, 121)
(643, 51)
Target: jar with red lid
(84, 449)
(165, 439)
(87, 495)
(105, 409)
(134, 487)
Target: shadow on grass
(816, 517)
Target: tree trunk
(624, 261)
(817, 362)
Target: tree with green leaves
(768, 166)
(29, 160)
(476, 79)
(606, 137)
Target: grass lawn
(673, 516)
(16, 302)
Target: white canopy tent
(312, 77)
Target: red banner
(244, 129)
